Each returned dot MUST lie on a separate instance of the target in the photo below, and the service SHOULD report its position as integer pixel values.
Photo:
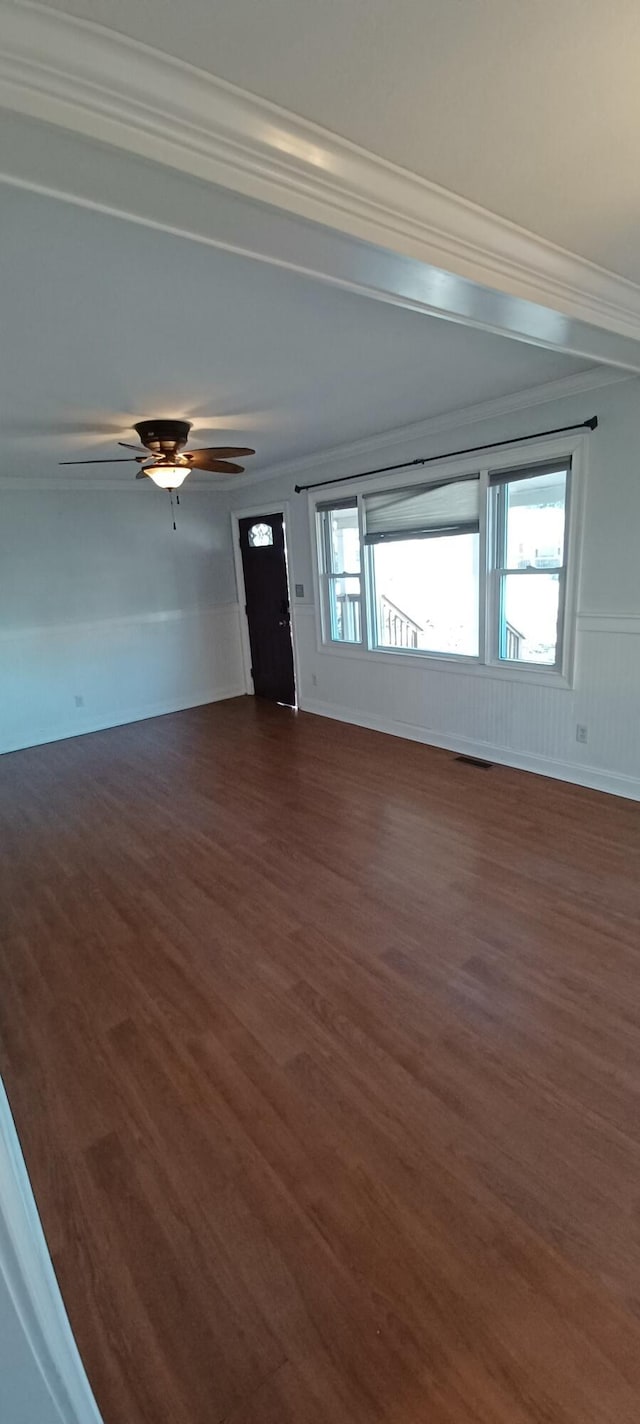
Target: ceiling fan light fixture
(167, 477)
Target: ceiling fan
(162, 458)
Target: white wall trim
(92, 627)
(609, 623)
(84, 723)
(562, 388)
(456, 666)
(105, 86)
(96, 483)
(594, 379)
(613, 783)
(26, 1267)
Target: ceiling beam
(96, 118)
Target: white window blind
(420, 512)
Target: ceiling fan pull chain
(172, 509)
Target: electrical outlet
(299, 590)
(582, 732)
(79, 701)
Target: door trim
(280, 506)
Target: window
(260, 535)
(424, 567)
(528, 518)
(341, 574)
(471, 567)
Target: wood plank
(324, 1051)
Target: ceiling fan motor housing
(163, 437)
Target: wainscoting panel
(517, 723)
(121, 669)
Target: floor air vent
(475, 761)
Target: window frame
(571, 451)
(327, 575)
(498, 572)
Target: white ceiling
(529, 107)
(110, 322)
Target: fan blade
(222, 467)
(119, 460)
(219, 452)
(126, 446)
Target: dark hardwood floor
(324, 1050)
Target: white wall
(24, 1396)
(42, 1378)
(524, 725)
(100, 599)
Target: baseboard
(81, 726)
(595, 778)
(26, 1268)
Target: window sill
(450, 663)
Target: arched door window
(260, 535)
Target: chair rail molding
(92, 81)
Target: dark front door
(267, 600)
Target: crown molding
(107, 87)
(45, 484)
(561, 389)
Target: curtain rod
(470, 450)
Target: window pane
(344, 540)
(345, 602)
(529, 618)
(427, 594)
(535, 511)
(260, 535)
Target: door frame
(280, 506)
